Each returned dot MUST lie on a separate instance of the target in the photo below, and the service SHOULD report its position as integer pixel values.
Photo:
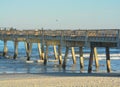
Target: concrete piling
(39, 50)
(65, 57)
(96, 58)
(46, 55)
(60, 54)
(15, 49)
(73, 55)
(28, 47)
(5, 50)
(55, 52)
(81, 58)
(108, 59)
(90, 60)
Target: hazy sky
(56, 14)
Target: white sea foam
(100, 56)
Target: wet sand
(60, 80)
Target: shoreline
(61, 80)
(61, 74)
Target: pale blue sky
(57, 14)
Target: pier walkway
(108, 38)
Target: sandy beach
(60, 80)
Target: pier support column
(65, 57)
(108, 59)
(5, 50)
(30, 50)
(81, 58)
(90, 60)
(55, 52)
(60, 54)
(42, 45)
(42, 52)
(39, 50)
(46, 55)
(15, 49)
(96, 58)
(73, 55)
(28, 47)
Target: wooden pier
(108, 38)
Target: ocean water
(9, 65)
